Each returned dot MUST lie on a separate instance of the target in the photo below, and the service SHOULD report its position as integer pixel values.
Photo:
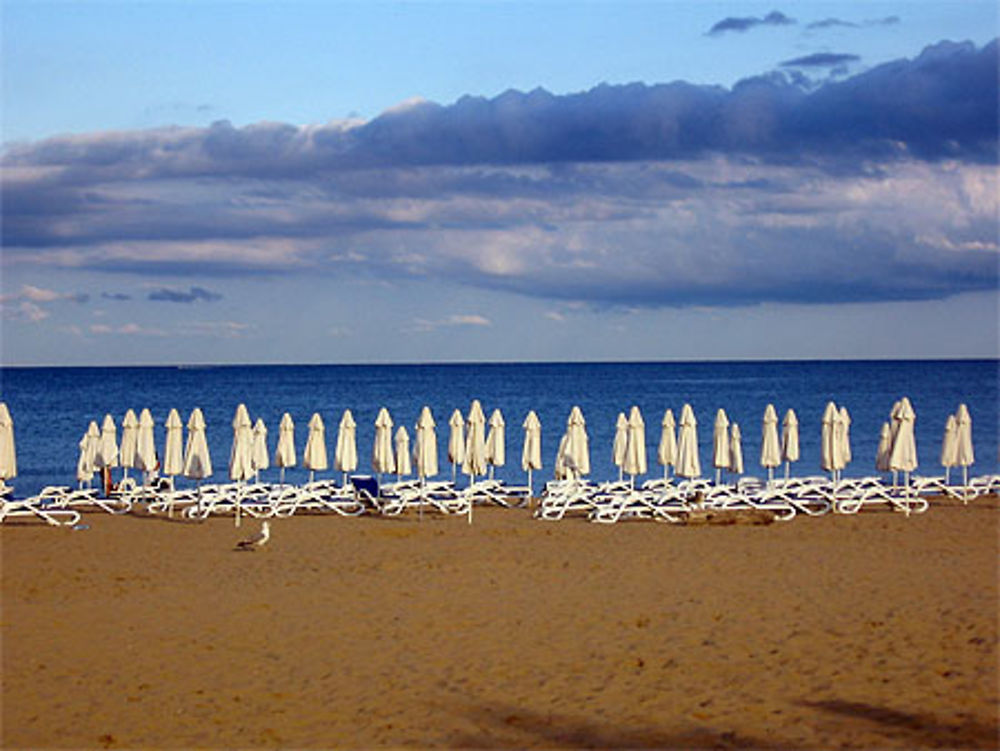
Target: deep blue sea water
(51, 407)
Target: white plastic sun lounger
(494, 491)
(983, 485)
(561, 497)
(319, 497)
(853, 494)
(83, 499)
(664, 503)
(37, 507)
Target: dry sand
(868, 631)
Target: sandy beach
(867, 631)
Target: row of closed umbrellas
(470, 446)
(477, 445)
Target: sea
(52, 406)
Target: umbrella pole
(531, 492)
(282, 475)
(965, 484)
(471, 480)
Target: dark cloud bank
(195, 294)
(581, 196)
(820, 60)
(745, 23)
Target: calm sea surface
(51, 407)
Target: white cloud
(458, 319)
(216, 329)
(25, 311)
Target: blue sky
(359, 182)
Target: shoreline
(874, 630)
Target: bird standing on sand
(258, 540)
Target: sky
(209, 182)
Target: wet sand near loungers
(867, 631)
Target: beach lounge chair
(750, 494)
(983, 485)
(494, 491)
(83, 499)
(320, 496)
(37, 507)
(661, 502)
(851, 495)
(561, 497)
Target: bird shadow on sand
(915, 729)
(501, 726)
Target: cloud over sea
(878, 186)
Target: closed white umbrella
(827, 456)
(145, 445)
(949, 447)
(841, 441)
(531, 453)
(8, 453)
(688, 462)
(965, 455)
(475, 446)
(620, 444)
(107, 445)
(345, 455)
(496, 450)
(403, 465)
(383, 461)
(197, 460)
(666, 454)
(173, 450)
(720, 444)
(259, 457)
(474, 463)
(635, 450)
(106, 456)
(789, 440)
(284, 452)
(770, 447)
(241, 453)
(314, 458)
(425, 453)
(735, 450)
(456, 441)
(844, 438)
(893, 430)
(884, 447)
(575, 452)
(85, 466)
(130, 438)
(903, 456)
(559, 469)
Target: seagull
(258, 540)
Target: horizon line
(623, 361)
